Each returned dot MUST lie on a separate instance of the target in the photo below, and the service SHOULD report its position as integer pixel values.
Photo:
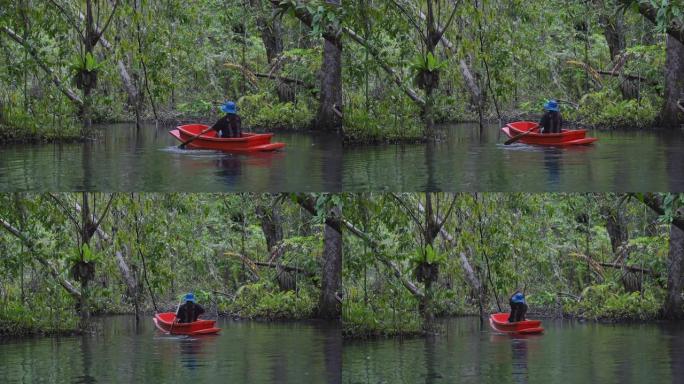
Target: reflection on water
(191, 351)
(519, 360)
(244, 352)
(148, 159)
(567, 352)
(469, 159)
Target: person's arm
(220, 123)
(179, 313)
(200, 310)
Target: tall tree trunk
(331, 87)
(675, 275)
(614, 32)
(272, 226)
(89, 47)
(329, 307)
(616, 226)
(430, 271)
(272, 36)
(673, 112)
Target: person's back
(235, 124)
(230, 125)
(551, 121)
(222, 126)
(190, 311)
(518, 307)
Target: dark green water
(470, 160)
(567, 353)
(245, 352)
(128, 159)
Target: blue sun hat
(228, 107)
(551, 105)
(190, 297)
(518, 298)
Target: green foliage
(427, 63)
(262, 300)
(609, 302)
(260, 110)
(43, 315)
(527, 241)
(197, 107)
(382, 124)
(87, 63)
(18, 124)
(362, 321)
(605, 108)
(170, 243)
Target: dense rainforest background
(596, 256)
(67, 256)
(382, 263)
(375, 70)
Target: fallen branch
(284, 79)
(577, 298)
(248, 262)
(630, 268)
(628, 77)
(284, 267)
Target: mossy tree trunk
(673, 110)
(675, 276)
(329, 306)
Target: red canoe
(164, 321)
(249, 142)
(565, 138)
(499, 322)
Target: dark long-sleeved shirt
(551, 122)
(229, 125)
(189, 312)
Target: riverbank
(33, 135)
(598, 306)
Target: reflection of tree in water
(86, 356)
(675, 167)
(674, 334)
(519, 370)
(431, 373)
(332, 349)
(430, 183)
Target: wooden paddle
(183, 144)
(175, 318)
(518, 137)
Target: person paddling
(190, 311)
(230, 125)
(518, 307)
(552, 120)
